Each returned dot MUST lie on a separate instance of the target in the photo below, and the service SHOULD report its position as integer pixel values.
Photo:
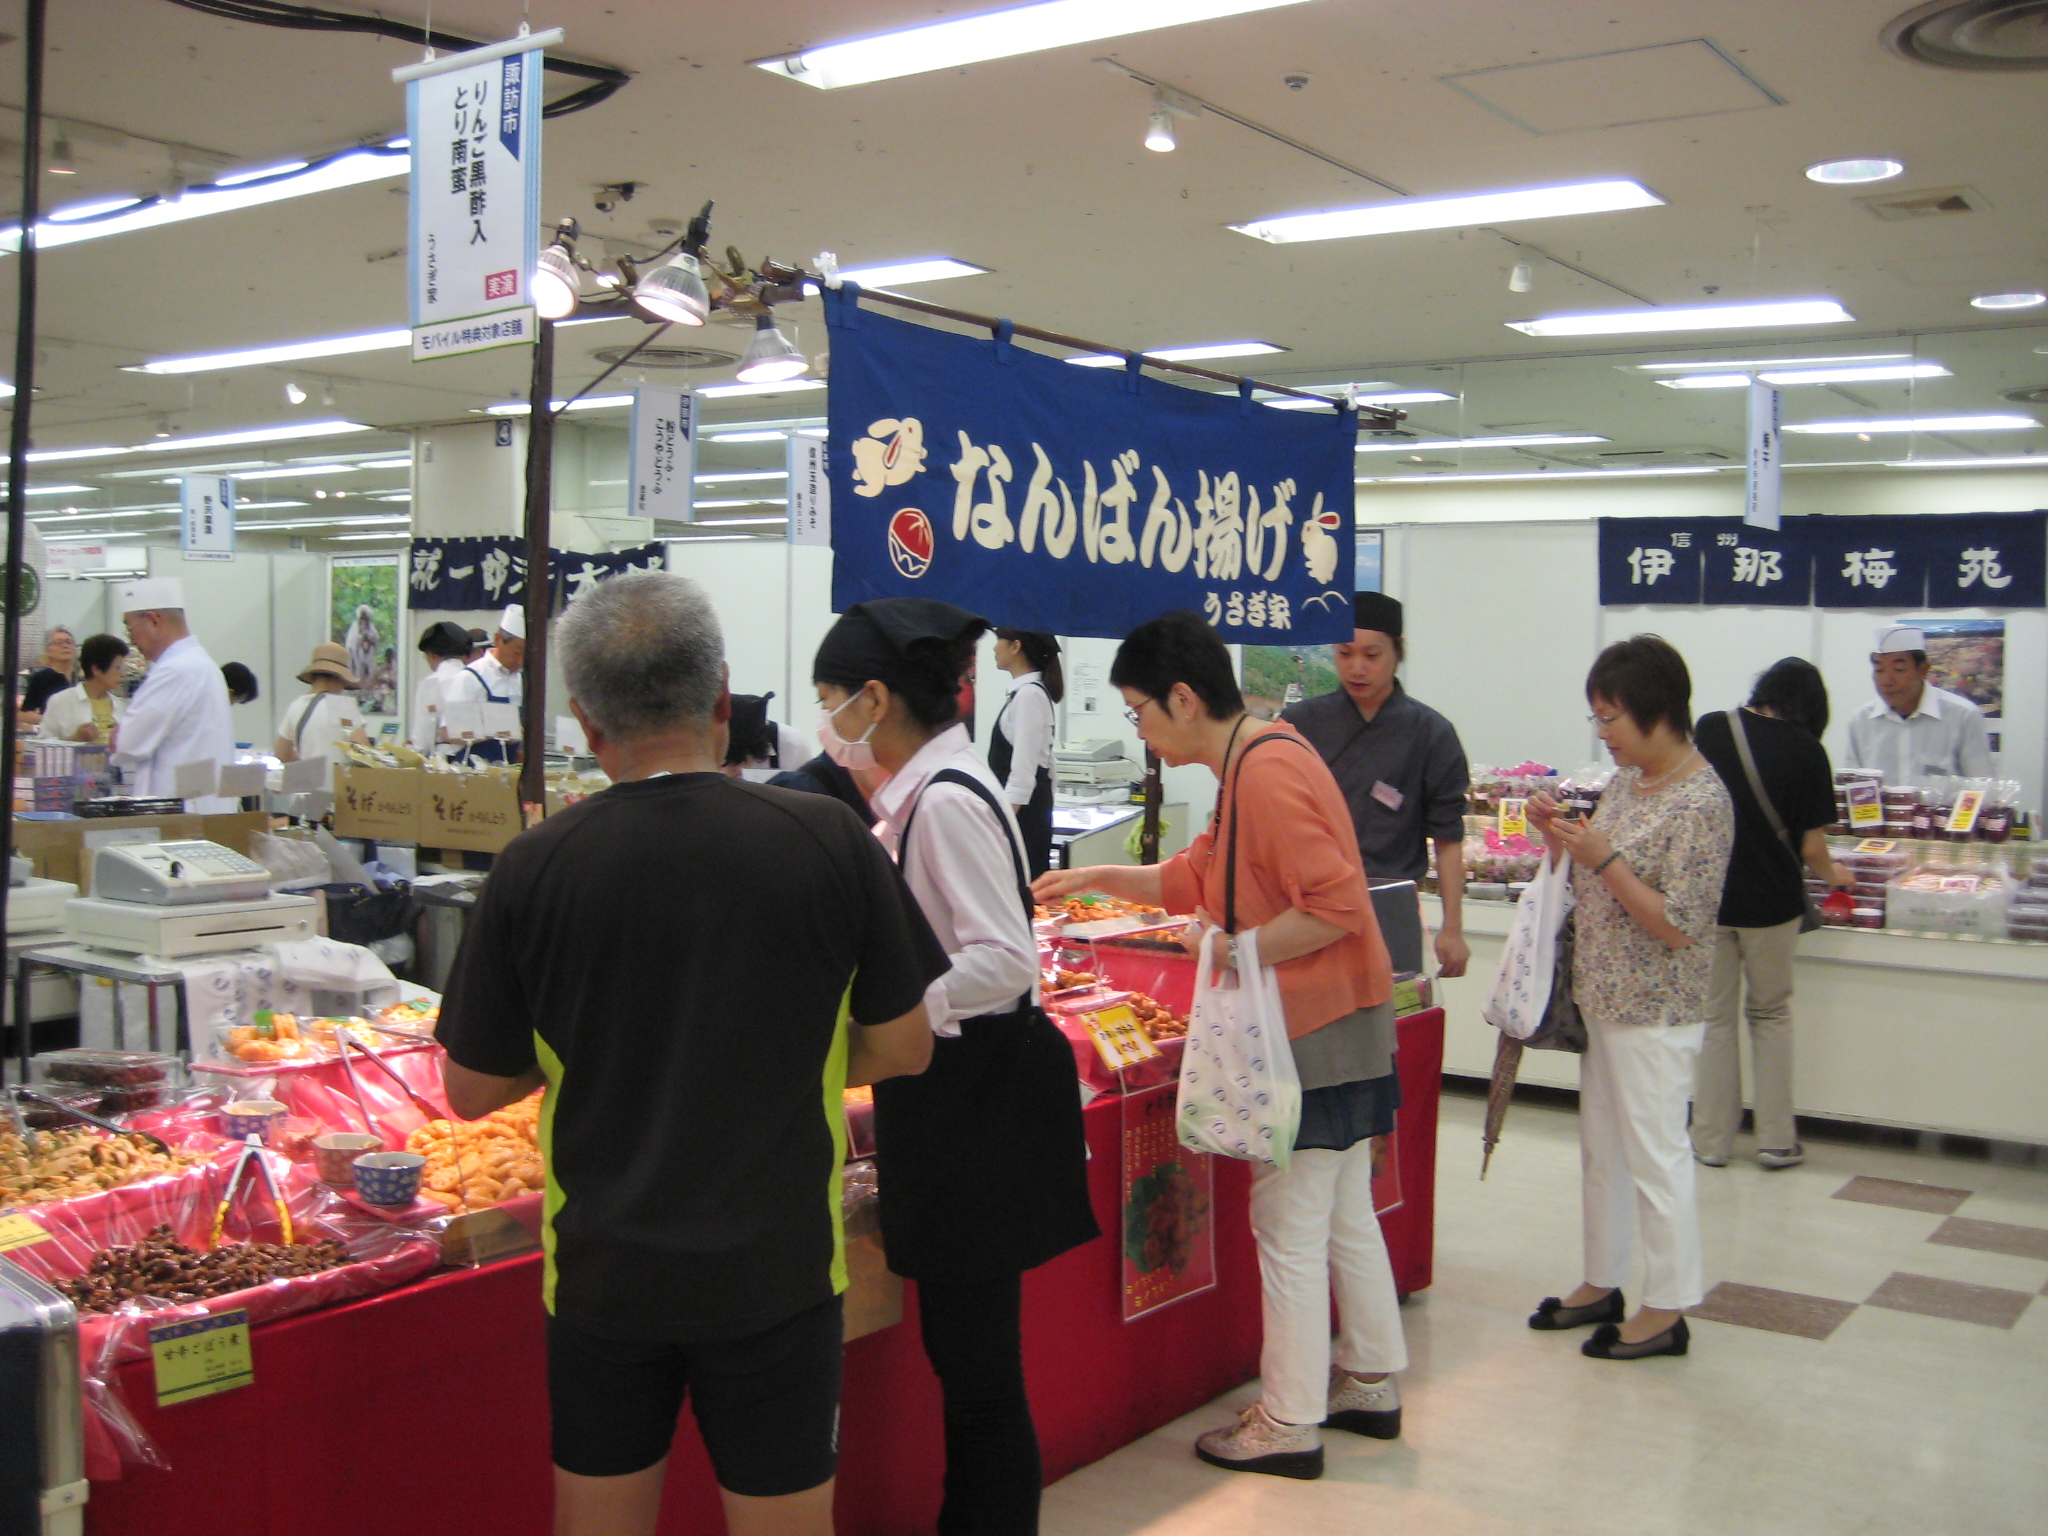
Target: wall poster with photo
(1967, 656)
(363, 618)
(1276, 676)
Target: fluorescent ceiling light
(1851, 173)
(1406, 397)
(718, 538)
(157, 472)
(1533, 440)
(900, 274)
(2015, 461)
(54, 490)
(265, 506)
(123, 512)
(59, 455)
(747, 437)
(1712, 363)
(812, 432)
(1707, 317)
(745, 474)
(779, 387)
(743, 522)
(1453, 212)
(1923, 424)
(282, 433)
(1542, 474)
(405, 463)
(749, 501)
(65, 227)
(395, 536)
(2009, 300)
(996, 35)
(1869, 373)
(1708, 381)
(287, 352)
(1181, 354)
(587, 403)
(295, 524)
(291, 472)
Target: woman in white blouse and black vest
(982, 1161)
(1020, 746)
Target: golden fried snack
(79, 1162)
(476, 1163)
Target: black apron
(492, 750)
(983, 1160)
(1034, 820)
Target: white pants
(1758, 962)
(1315, 1222)
(1634, 1084)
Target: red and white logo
(502, 285)
(910, 542)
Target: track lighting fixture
(1159, 135)
(770, 357)
(294, 392)
(676, 293)
(61, 163)
(163, 426)
(1522, 279)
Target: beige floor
(1897, 1423)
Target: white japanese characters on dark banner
(1078, 501)
(475, 132)
(1977, 560)
(470, 575)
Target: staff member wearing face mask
(1020, 746)
(982, 1161)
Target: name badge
(1388, 796)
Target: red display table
(426, 1409)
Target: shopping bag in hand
(1239, 1093)
(1531, 997)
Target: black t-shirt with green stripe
(677, 954)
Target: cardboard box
(62, 850)
(472, 812)
(378, 802)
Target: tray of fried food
(1091, 913)
(416, 1016)
(1157, 1020)
(477, 1163)
(82, 1161)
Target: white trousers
(1636, 1157)
(1315, 1222)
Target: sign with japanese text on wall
(475, 131)
(662, 453)
(810, 492)
(1974, 560)
(206, 527)
(1080, 501)
(475, 575)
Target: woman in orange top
(1301, 885)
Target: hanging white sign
(662, 468)
(810, 493)
(206, 531)
(474, 122)
(1766, 460)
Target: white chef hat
(513, 621)
(1892, 638)
(153, 592)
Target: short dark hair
(240, 680)
(1179, 647)
(1792, 689)
(1647, 677)
(100, 652)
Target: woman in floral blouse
(1647, 875)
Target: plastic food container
(105, 1069)
(1973, 901)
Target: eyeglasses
(1135, 715)
(1601, 720)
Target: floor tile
(1990, 1305)
(1993, 1237)
(1757, 1306)
(1903, 1194)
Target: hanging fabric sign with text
(475, 575)
(1078, 501)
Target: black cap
(1376, 610)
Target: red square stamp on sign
(501, 285)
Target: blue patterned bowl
(389, 1178)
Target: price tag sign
(1514, 818)
(201, 1357)
(1119, 1039)
(1866, 809)
(18, 1231)
(1877, 845)
(1964, 817)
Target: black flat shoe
(1553, 1316)
(1606, 1343)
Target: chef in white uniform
(1913, 731)
(180, 715)
(494, 678)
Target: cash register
(188, 897)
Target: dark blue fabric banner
(1867, 562)
(468, 575)
(1080, 501)
(1651, 559)
(1987, 560)
(1756, 567)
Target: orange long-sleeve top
(1296, 847)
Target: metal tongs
(347, 1041)
(76, 1113)
(252, 1148)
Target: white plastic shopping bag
(1528, 965)
(1239, 1093)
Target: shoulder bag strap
(299, 735)
(1756, 784)
(968, 782)
(1230, 851)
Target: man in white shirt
(1913, 731)
(181, 714)
(493, 678)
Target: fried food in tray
(80, 1162)
(1093, 907)
(1157, 1020)
(476, 1163)
(165, 1268)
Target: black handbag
(1563, 1027)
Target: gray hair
(643, 653)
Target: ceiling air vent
(1931, 203)
(667, 357)
(1972, 34)
(2035, 394)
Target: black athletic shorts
(767, 1405)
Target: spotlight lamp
(676, 293)
(1522, 279)
(1159, 135)
(770, 356)
(1167, 104)
(554, 275)
(294, 392)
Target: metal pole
(18, 436)
(540, 472)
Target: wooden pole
(540, 471)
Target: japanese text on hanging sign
(473, 575)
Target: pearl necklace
(1646, 786)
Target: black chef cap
(1376, 610)
(915, 646)
(445, 639)
(749, 728)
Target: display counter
(1900, 1029)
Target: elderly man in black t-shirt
(1400, 765)
(696, 968)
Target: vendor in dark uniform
(1020, 746)
(983, 1165)
(1399, 764)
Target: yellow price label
(1119, 1039)
(201, 1357)
(1877, 845)
(1514, 818)
(17, 1231)
(1963, 819)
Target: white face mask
(850, 755)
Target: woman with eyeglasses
(1647, 872)
(1301, 884)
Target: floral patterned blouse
(1677, 840)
